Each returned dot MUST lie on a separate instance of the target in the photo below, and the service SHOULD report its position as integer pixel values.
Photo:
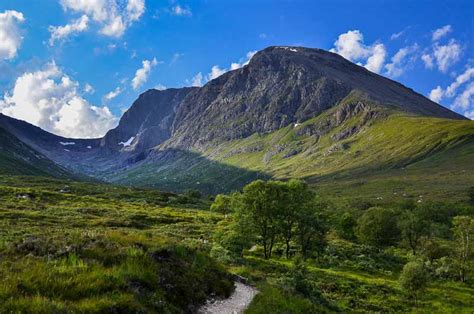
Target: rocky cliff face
(280, 86)
(148, 121)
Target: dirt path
(236, 303)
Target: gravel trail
(235, 304)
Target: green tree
(463, 230)
(222, 204)
(413, 227)
(414, 279)
(311, 228)
(378, 227)
(346, 224)
(262, 201)
(298, 195)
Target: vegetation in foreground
(81, 247)
(307, 255)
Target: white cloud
(397, 35)
(461, 101)
(89, 89)
(111, 95)
(376, 60)
(135, 9)
(401, 60)
(181, 11)
(160, 87)
(461, 79)
(447, 55)
(351, 46)
(49, 99)
(197, 80)
(10, 37)
(62, 32)
(469, 114)
(141, 76)
(441, 32)
(215, 72)
(112, 16)
(436, 94)
(466, 99)
(427, 60)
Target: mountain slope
(17, 158)
(281, 86)
(291, 112)
(331, 149)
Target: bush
(414, 279)
(378, 227)
(222, 204)
(345, 226)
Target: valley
(323, 186)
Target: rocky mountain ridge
(280, 88)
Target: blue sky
(88, 52)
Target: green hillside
(16, 158)
(107, 249)
(376, 152)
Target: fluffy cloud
(181, 11)
(111, 95)
(447, 55)
(469, 114)
(401, 60)
(141, 76)
(436, 94)
(376, 60)
(441, 32)
(160, 87)
(62, 32)
(464, 100)
(351, 46)
(89, 89)
(50, 99)
(111, 15)
(461, 79)
(428, 61)
(216, 71)
(10, 37)
(197, 80)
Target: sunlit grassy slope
(103, 249)
(95, 248)
(386, 156)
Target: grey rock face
(148, 121)
(280, 86)
(283, 85)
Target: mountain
(291, 112)
(17, 158)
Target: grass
(430, 157)
(99, 248)
(86, 247)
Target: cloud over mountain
(50, 99)
(10, 37)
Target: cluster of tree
(289, 215)
(273, 212)
(419, 228)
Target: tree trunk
(287, 248)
